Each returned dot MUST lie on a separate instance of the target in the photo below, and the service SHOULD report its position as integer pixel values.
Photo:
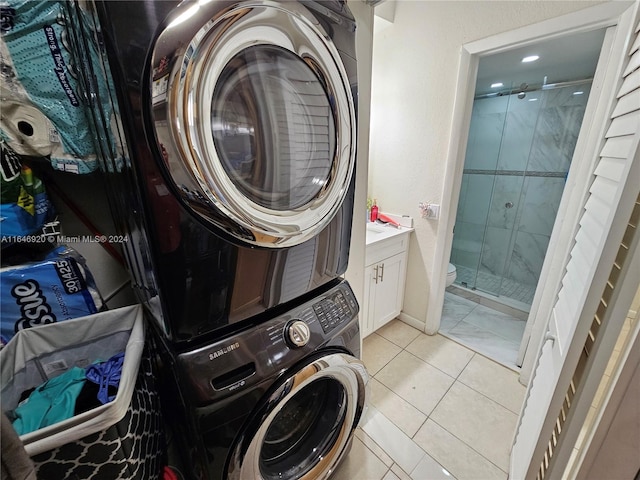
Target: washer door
(304, 429)
(254, 118)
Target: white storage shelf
(385, 272)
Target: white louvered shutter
(593, 276)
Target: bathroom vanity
(384, 277)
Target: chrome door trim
(182, 103)
(352, 375)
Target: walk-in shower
(520, 146)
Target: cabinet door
(367, 310)
(389, 290)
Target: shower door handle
(508, 205)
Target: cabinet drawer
(385, 248)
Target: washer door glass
(304, 430)
(273, 127)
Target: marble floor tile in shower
(498, 323)
(454, 310)
(487, 331)
(503, 286)
(486, 343)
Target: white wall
(415, 69)
(364, 45)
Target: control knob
(297, 333)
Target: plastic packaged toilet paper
(58, 288)
(47, 112)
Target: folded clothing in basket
(60, 287)
(50, 403)
(73, 392)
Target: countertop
(378, 231)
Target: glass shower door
(508, 180)
(488, 121)
(518, 156)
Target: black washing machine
(238, 126)
(277, 401)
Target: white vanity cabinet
(384, 279)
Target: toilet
(451, 274)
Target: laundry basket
(122, 439)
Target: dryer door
(304, 429)
(254, 118)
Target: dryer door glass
(254, 117)
(273, 127)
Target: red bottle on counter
(374, 211)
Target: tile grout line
(456, 379)
(428, 416)
(394, 461)
(468, 346)
(489, 398)
(467, 445)
(391, 359)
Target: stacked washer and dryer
(236, 127)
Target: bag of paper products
(58, 288)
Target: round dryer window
(255, 120)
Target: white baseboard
(412, 321)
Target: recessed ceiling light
(533, 99)
(531, 58)
(578, 93)
(497, 85)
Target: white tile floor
(437, 410)
(483, 329)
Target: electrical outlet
(429, 210)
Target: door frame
(595, 120)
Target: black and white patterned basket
(131, 449)
(121, 440)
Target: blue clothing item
(106, 374)
(52, 402)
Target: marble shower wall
(518, 156)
